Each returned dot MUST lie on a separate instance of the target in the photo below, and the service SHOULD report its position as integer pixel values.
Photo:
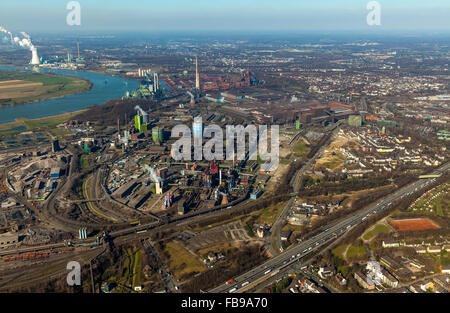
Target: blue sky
(235, 15)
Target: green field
(18, 87)
(43, 128)
(130, 274)
(300, 149)
(84, 161)
(354, 251)
(339, 251)
(378, 229)
(269, 215)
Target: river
(104, 88)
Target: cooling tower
(35, 57)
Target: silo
(145, 118)
(158, 135)
(197, 126)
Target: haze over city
(220, 15)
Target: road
(166, 276)
(334, 231)
(276, 229)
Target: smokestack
(155, 82)
(197, 74)
(35, 57)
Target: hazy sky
(246, 15)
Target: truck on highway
(232, 290)
(269, 270)
(229, 282)
(245, 284)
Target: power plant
(34, 57)
(24, 43)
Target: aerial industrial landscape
(228, 163)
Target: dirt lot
(225, 233)
(413, 224)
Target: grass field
(18, 87)
(84, 161)
(130, 274)
(332, 162)
(300, 149)
(372, 233)
(44, 126)
(354, 251)
(339, 251)
(269, 215)
(181, 262)
(137, 269)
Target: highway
(334, 231)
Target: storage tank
(197, 126)
(158, 135)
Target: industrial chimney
(35, 57)
(197, 75)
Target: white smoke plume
(153, 175)
(24, 43)
(3, 30)
(21, 42)
(25, 35)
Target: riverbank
(45, 123)
(18, 87)
(100, 89)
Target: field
(269, 215)
(413, 224)
(22, 87)
(300, 149)
(376, 230)
(345, 252)
(182, 262)
(339, 251)
(332, 158)
(354, 251)
(14, 134)
(130, 270)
